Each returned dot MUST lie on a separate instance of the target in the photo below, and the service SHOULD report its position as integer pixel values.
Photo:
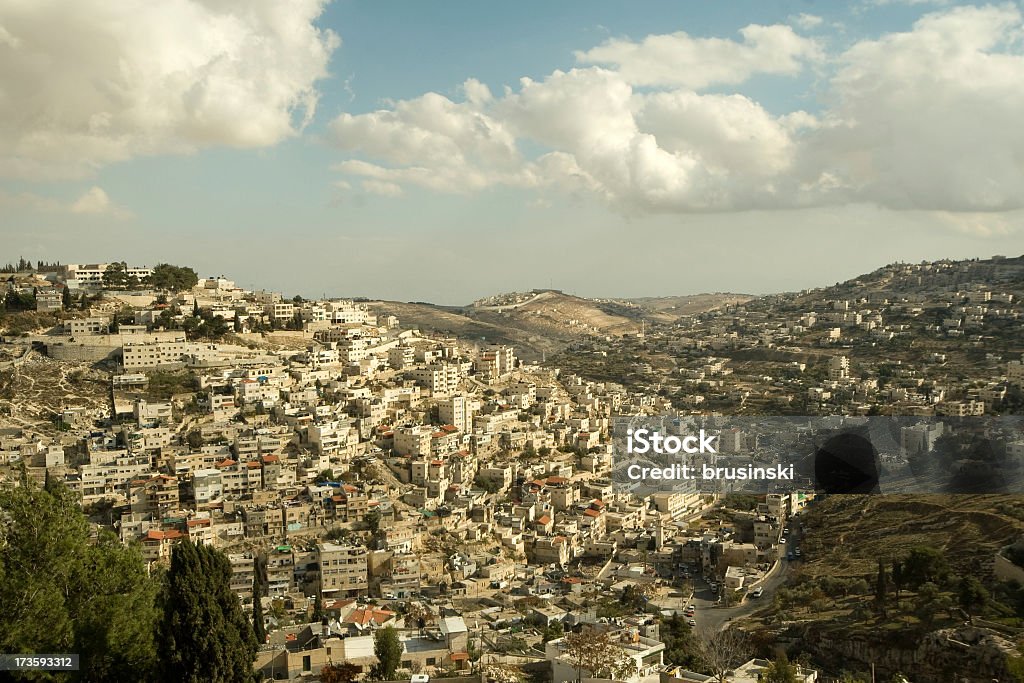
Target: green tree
(65, 298)
(924, 564)
(388, 649)
(61, 592)
(928, 603)
(259, 629)
(779, 671)
(972, 596)
(116, 276)
(204, 635)
(173, 278)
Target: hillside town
(360, 474)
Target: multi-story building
(78, 327)
(280, 570)
(343, 570)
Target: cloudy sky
(445, 151)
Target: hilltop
(548, 320)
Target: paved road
(711, 618)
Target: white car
(692, 622)
(757, 592)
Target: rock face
(967, 653)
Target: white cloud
(930, 118)
(806, 21)
(679, 59)
(93, 201)
(925, 119)
(89, 83)
(383, 188)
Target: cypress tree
(204, 634)
(388, 648)
(63, 591)
(258, 629)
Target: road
(710, 618)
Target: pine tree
(65, 299)
(204, 635)
(63, 592)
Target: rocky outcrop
(966, 653)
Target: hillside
(675, 306)
(547, 321)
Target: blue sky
(657, 148)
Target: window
(431, 661)
(307, 664)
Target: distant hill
(547, 320)
(675, 306)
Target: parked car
(757, 592)
(692, 622)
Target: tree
(65, 298)
(259, 629)
(924, 564)
(372, 519)
(388, 649)
(594, 652)
(972, 596)
(779, 671)
(62, 592)
(722, 651)
(116, 276)
(681, 646)
(173, 278)
(880, 588)
(204, 635)
(928, 603)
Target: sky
(448, 151)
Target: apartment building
(442, 379)
(282, 311)
(152, 355)
(280, 570)
(413, 440)
(960, 408)
(49, 299)
(243, 573)
(79, 327)
(343, 570)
